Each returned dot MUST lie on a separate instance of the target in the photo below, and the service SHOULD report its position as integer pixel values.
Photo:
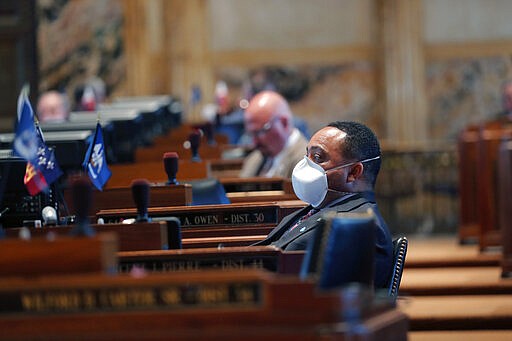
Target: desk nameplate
(245, 216)
(132, 298)
(201, 263)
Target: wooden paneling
(257, 57)
(146, 47)
(473, 49)
(403, 69)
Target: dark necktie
(265, 166)
(304, 217)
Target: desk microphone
(140, 193)
(81, 193)
(49, 215)
(208, 131)
(195, 140)
(171, 167)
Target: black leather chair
(342, 251)
(399, 253)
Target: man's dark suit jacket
(298, 238)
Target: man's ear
(356, 171)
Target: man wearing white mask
(337, 174)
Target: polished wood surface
(202, 215)
(467, 148)
(205, 305)
(460, 335)
(224, 258)
(455, 281)
(458, 312)
(122, 197)
(446, 251)
(58, 255)
(140, 236)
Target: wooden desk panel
(454, 281)
(488, 146)
(155, 153)
(121, 197)
(58, 255)
(202, 305)
(248, 214)
(227, 258)
(467, 312)
(468, 193)
(140, 236)
(154, 172)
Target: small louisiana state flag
(42, 167)
(45, 171)
(95, 161)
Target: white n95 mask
(309, 182)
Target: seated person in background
(88, 95)
(52, 106)
(278, 144)
(338, 174)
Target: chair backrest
(399, 253)
(208, 192)
(342, 251)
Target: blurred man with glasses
(278, 145)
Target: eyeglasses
(263, 130)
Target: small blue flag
(46, 161)
(195, 97)
(95, 161)
(25, 143)
(42, 167)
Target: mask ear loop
(348, 165)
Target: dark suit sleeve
(300, 243)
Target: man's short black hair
(360, 144)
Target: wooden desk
(214, 225)
(458, 312)
(448, 253)
(454, 281)
(258, 189)
(58, 255)
(121, 197)
(505, 203)
(202, 305)
(228, 258)
(491, 136)
(460, 335)
(154, 153)
(154, 172)
(181, 134)
(229, 215)
(140, 236)
(467, 147)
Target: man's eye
(316, 158)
